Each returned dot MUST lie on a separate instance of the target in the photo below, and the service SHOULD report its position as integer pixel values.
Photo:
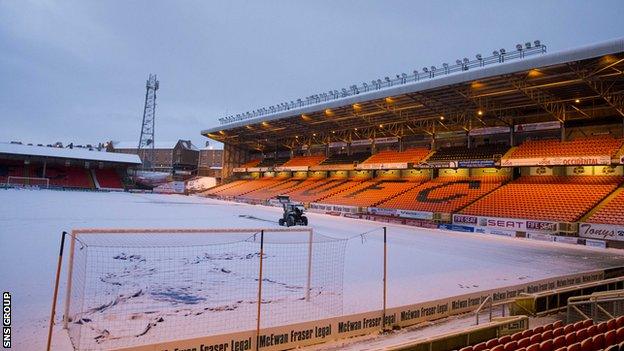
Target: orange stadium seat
(370, 193)
(554, 198)
(444, 194)
(299, 161)
(610, 213)
(390, 156)
(579, 147)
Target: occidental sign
(506, 223)
(557, 161)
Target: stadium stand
(10, 168)
(322, 189)
(556, 198)
(108, 178)
(371, 193)
(444, 194)
(272, 190)
(578, 147)
(337, 159)
(390, 156)
(612, 212)
(252, 163)
(483, 152)
(249, 186)
(304, 161)
(68, 177)
(272, 162)
(580, 336)
(217, 189)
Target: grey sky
(76, 70)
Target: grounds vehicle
(293, 213)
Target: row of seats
(108, 178)
(299, 161)
(529, 197)
(578, 147)
(371, 193)
(338, 159)
(444, 194)
(272, 162)
(610, 213)
(482, 152)
(580, 336)
(415, 155)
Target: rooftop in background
(158, 145)
(572, 84)
(67, 153)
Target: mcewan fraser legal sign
(601, 231)
(315, 332)
(558, 161)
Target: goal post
(16, 181)
(135, 287)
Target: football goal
(129, 288)
(37, 182)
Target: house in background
(179, 157)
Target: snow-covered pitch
(423, 264)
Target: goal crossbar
(22, 181)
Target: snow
(74, 154)
(423, 264)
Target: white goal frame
(8, 182)
(96, 231)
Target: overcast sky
(76, 70)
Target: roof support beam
(602, 88)
(543, 99)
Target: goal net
(128, 288)
(28, 182)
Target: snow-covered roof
(167, 145)
(550, 59)
(74, 154)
